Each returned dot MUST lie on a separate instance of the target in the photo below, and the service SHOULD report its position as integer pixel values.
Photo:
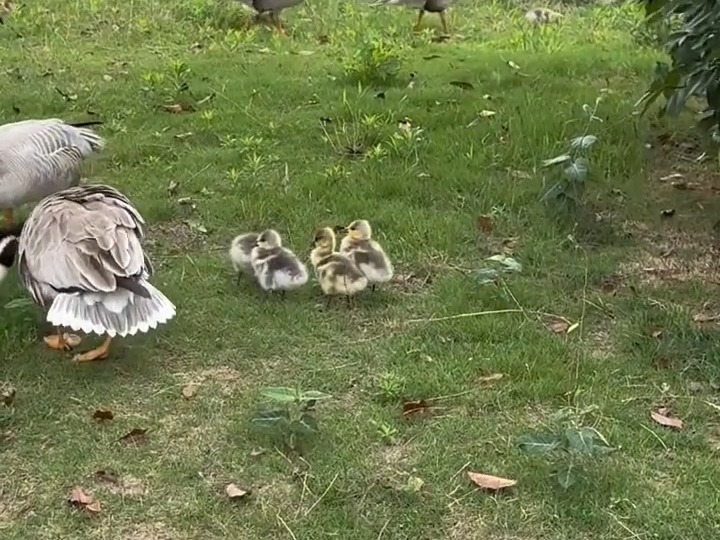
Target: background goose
(431, 6)
(40, 157)
(273, 7)
(80, 253)
(6, 9)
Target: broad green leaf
(566, 475)
(314, 394)
(539, 444)
(557, 159)
(305, 424)
(508, 262)
(271, 417)
(281, 394)
(578, 169)
(580, 440)
(583, 142)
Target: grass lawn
(282, 134)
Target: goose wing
(83, 239)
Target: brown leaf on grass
(8, 395)
(235, 493)
(79, 499)
(665, 417)
(484, 223)
(670, 212)
(558, 326)
(490, 378)
(654, 332)
(178, 108)
(416, 408)
(103, 414)
(135, 436)
(189, 391)
(492, 483)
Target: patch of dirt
(174, 237)
(465, 524)
(222, 378)
(277, 494)
(151, 531)
(673, 256)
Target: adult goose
(80, 254)
(40, 157)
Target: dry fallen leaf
(485, 113)
(177, 108)
(189, 391)
(234, 493)
(484, 223)
(463, 85)
(665, 417)
(103, 414)
(558, 326)
(411, 408)
(79, 499)
(493, 483)
(493, 377)
(255, 452)
(136, 436)
(668, 213)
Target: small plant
(502, 265)
(573, 447)
(387, 433)
(391, 386)
(290, 419)
(567, 192)
(370, 57)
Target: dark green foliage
(694, 69)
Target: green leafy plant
(291, 417)
(566, 193)
(502, 264)
(572, 449)
(694, 69)
(391, 387)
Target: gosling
(366, 253)
(337, 274)
(240, 250)
(276, 268)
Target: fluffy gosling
(276, 268)
(336, 273)
(542, 16)
(366, 253)
(240, 251)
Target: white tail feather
(119, 313)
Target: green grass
(423, 193)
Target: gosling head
(324, 239)
(359, 230)
(268, 239)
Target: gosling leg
(421, 14)
(95, 354)
(444, 22)
(275, 18)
